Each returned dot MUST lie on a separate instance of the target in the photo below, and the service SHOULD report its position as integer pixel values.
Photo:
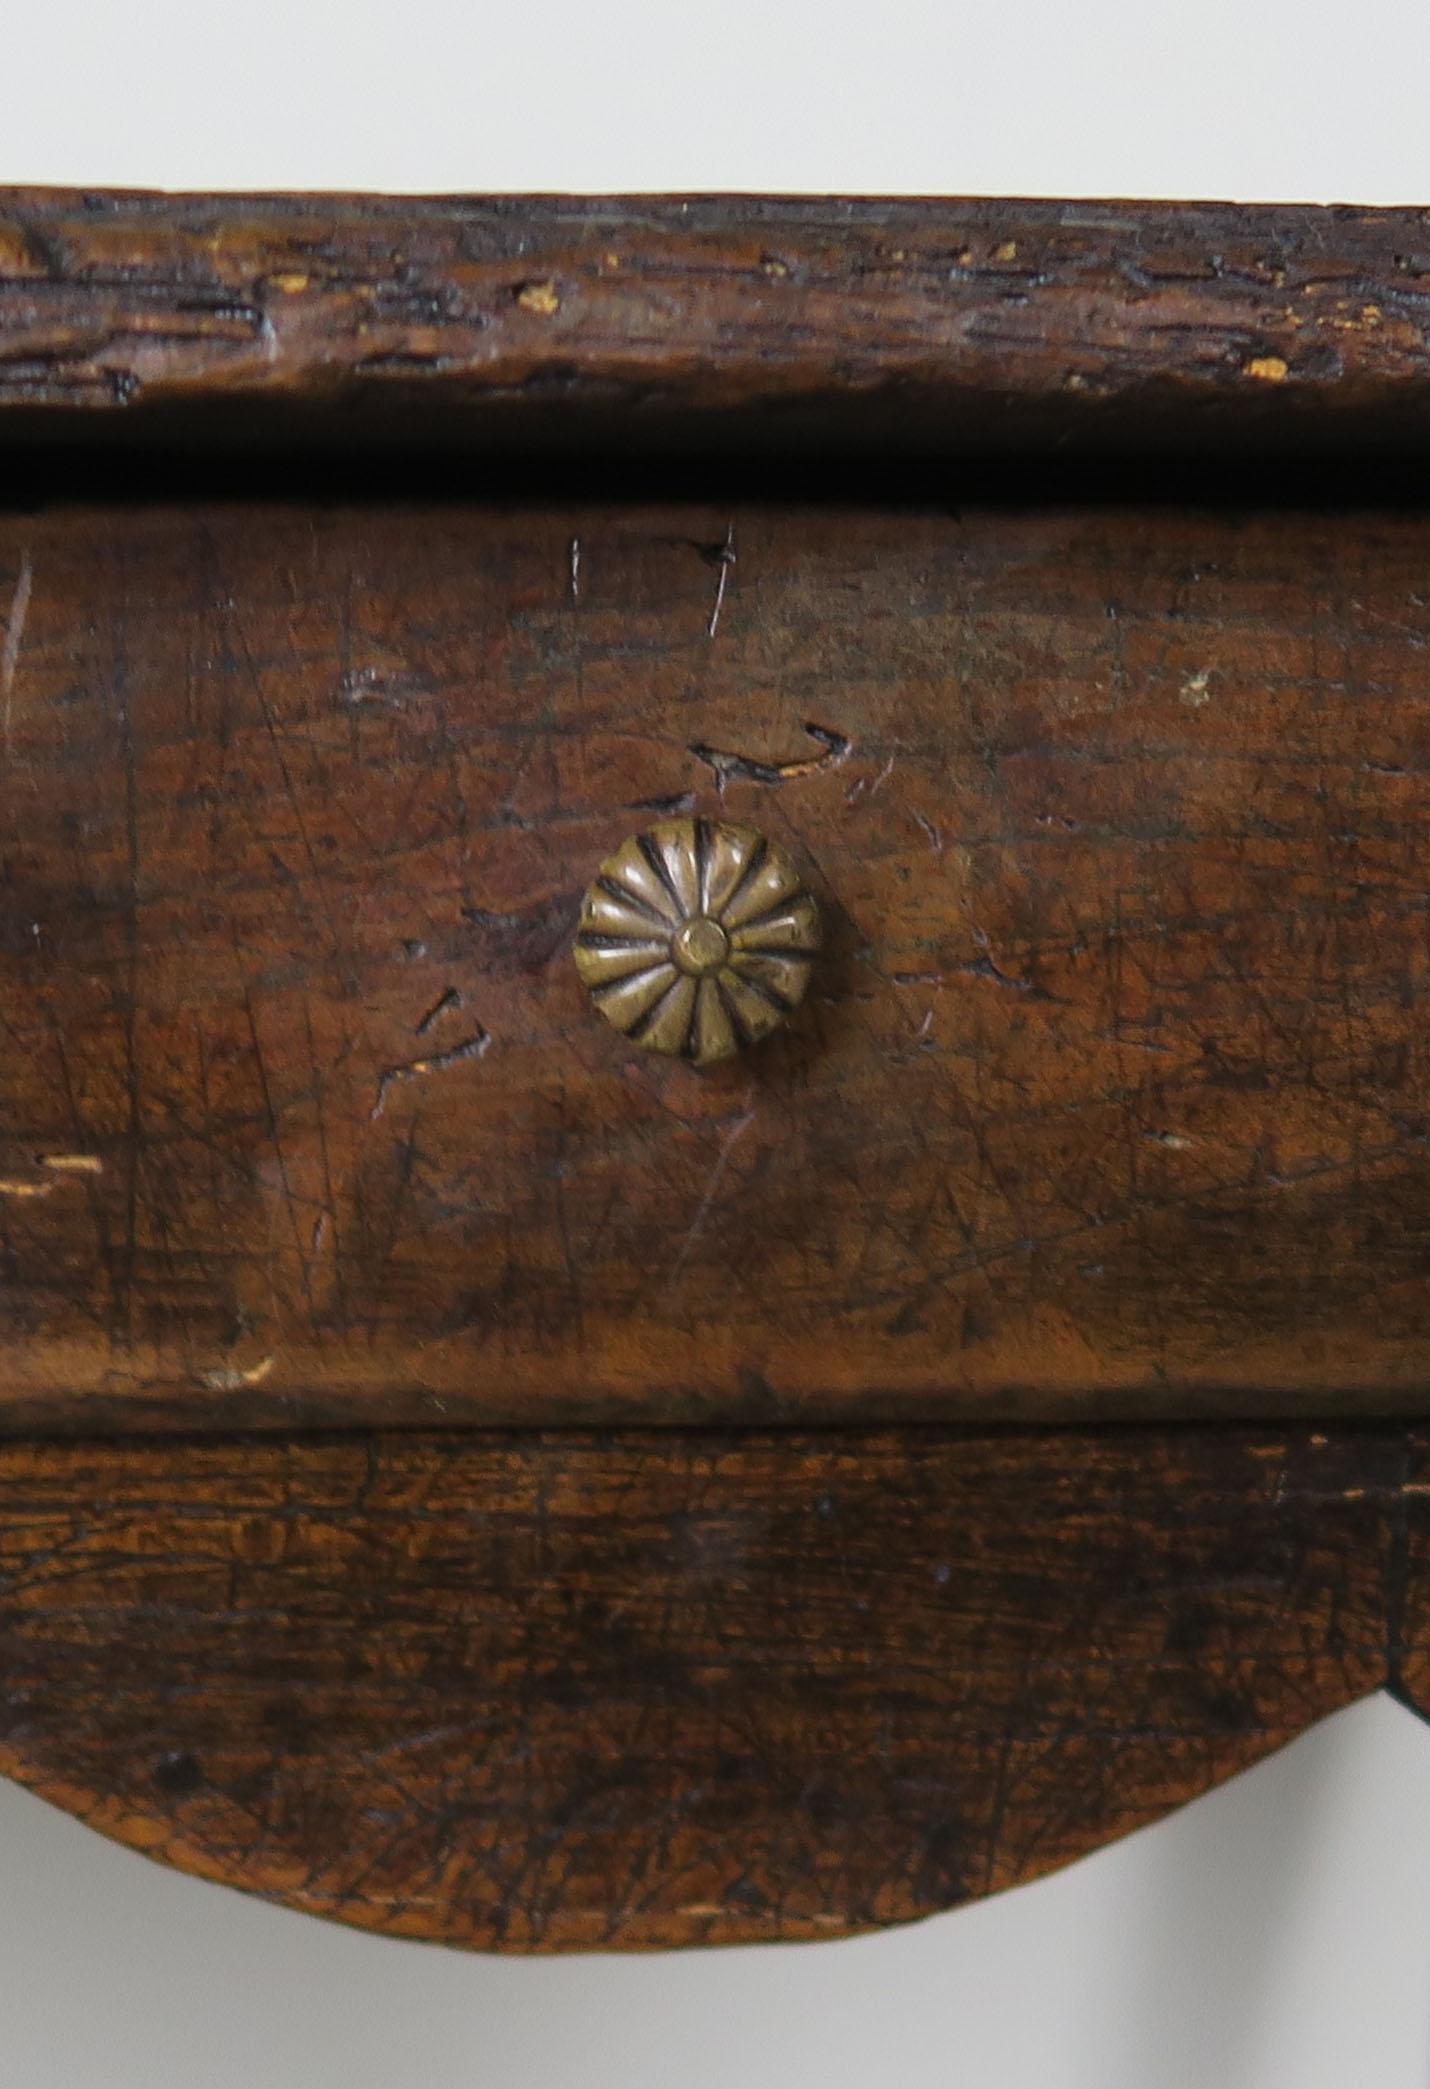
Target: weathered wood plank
(894, 326)
(549, 1692)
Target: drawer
(1108, 1095)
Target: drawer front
(1109, 1094)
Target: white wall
(1277, 1934)
(1252, 99)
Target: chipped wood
(872, 328)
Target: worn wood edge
(279, 1882)
(958, 326)
(640, 1690)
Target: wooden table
(476, 1478)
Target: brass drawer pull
(697, 938)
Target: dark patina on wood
(1109, 1100)
(1111, 1094)
(916, 327)
(558, 1692)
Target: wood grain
(556, 1692)
(1110, 1102)
(1111, 1097)
(912, 327)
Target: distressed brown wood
(1111, 1095)
(917, 327)
(552, 1692)
(1109, 1099)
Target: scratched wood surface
(1109, 1103)
(782, 324)
(1111, 1097)
(551, 1692)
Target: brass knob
(696, 938)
